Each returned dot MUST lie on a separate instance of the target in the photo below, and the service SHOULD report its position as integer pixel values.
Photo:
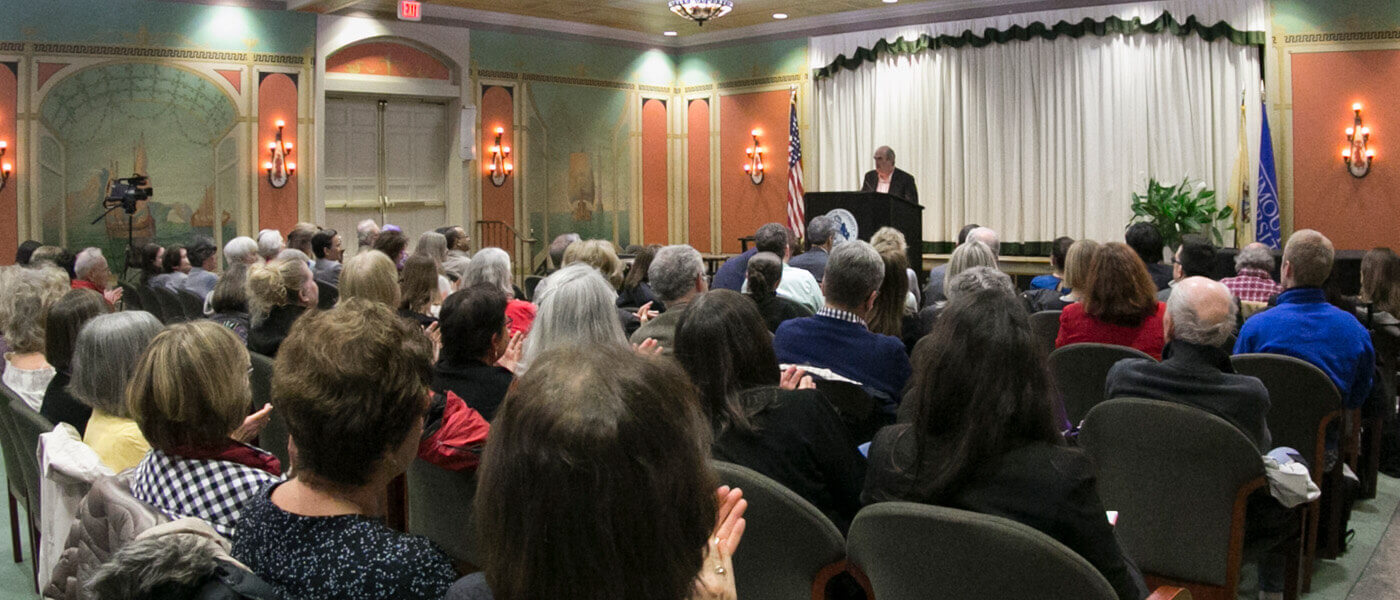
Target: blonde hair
(27, 296)
(277, 283)
(598, 254)
(970, 254)
(191, 387)
(1077, 260)
(370, 275)
(889, 238)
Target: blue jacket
(1045, 282)
(1305, 326)
(876, 361)
(733, 272)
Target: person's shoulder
(471, 587)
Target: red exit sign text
(410, 10)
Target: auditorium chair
(131, 299)
(1375, 417)
(273, 437)
(170, 309)
(150, 302)
(1079, 372)
(790, 551)
(915, 551)
(14, 473)
(1045, 325)
(192, 304)
(1303, 404)
(327, 295)
(440, 508)
(28, 426)
(856, 408)
(1180, 479)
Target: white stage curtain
(1042, 138)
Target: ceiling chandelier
(701, 10)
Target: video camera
(127, 192)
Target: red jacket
(454, 436)
(1076, 326)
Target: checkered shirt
(1252, 285)
(213, 490)
(841, 315)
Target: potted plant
(1181, 209)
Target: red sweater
(1076, 326)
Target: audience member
(1146, 241)
(29, 294)
(241, 250)
(25, 251)
(889, 239)
(1252, 281)
(636, 288)
(1380, 291)
(972, 253)
(229, 301)
(175, 268)
(203, 255)
(1195, 257)
(176, 560)
(300, 237)
(492, 267)
(53, 256)
(986, 438)
(559, 246)
(764, 276)
(1118, 304)
(432, 245)
(1077, 260)
(1305, 326)
(355, 420)
(152, 262)
(821, 236)
(975, 279)
(459, 244)
(190, 397)
(65, 319)
(325, 246)
(479, 352)
(91, 273)
(933, 291)
(600, 255)
(365, 233)
(1055, 279)
(797, 284)
(270, 244)
(760, 417)
(419, 297)
(104, 361)
(455, 267)
(837, 337)
(394, 245)
(633, 478)
(576, 309)
(278, 293)
(678, 276)
(892, 313)
(370, 275)
(733, 272)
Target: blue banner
(1266, 224)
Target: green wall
(1334, 16)
(158, 24)
(744, 61)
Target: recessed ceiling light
(669, 33)
(779, 16)
(891, 1)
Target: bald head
(1307, 259)
(1200, 311)
(987, 236)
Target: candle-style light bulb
(1356, 106)
(291, 167)
(267, 166)
(281, 123)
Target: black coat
(901, 185)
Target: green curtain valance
(1165, 23)
(1007, 248)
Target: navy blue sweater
(1305, 326)
(876, 361)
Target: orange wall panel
(386, 58)
(1357, 214)
(497, 110)
(277, 100)
(9, 197)
(698, 166)
(654, 172)
(745, 206)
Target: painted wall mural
(116, 120)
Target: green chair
(1079, 372)
(1045, 325)
(14, 473)
(440, 508)
(273, 437)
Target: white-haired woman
(576, 308)
(25, 299)
(492, 266)
(241, 249)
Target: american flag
(796, 220)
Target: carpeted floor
(1380, 577)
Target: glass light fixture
(701, 10)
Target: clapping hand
(645, 313)
(716, 578)
(648, 348)
(510, 359)
(252, 425)
(796, 379)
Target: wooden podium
(872, 211)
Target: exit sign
(410, 10)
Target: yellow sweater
(117, 441)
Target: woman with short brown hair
(1119, 304)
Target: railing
(501, 235)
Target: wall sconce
(5, 167)
(754, 166)
(279, 170)
(1357, 156)
(500, 167)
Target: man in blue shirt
(1052, 281)
(821, 234)
(837, 338)
(1305, 326)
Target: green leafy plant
(1181, 209)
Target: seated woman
(893, 313)
(791, 435)
(636, 289)
(1119, 304)
(972, 253)
(104, 359)
(394, 245)
(190, 397)
(370, 275)
(576, 308)
(491, 266)
(174, 269)
(27, 296)
(66, 318)
(229, 300)
(765, 272)
(478, 349)
(150, 262)
(1379, 304)
(354, 420)
(1078, 259)
(985, 438)
(419, 285)
(278, 293)
(620, 504)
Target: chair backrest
(532, 282)
(1177, 476)
(10, 446)
(1079, 372)
(108, 518)
(1045, 325)
(855, 407)
(273, 437)
(131, 299)
(328, 295)
(150, 302)
(192, 305)
(440, 508)
(787, 542)
(917, 551)
(1302, 401)
(29, 425)
(170, 307)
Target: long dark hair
(596, 484)
(146, 261)
(982, 389)
(887, 315)
(722, 342)
(637, 273)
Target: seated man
(677, 276)
(1053, 280)
(203, 260)
(1146, 241)
(1305, 326)
(837, 338)
(1252, 281)
(1195, 371)
(821, 235)
(1194, 258)
(797, 285)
